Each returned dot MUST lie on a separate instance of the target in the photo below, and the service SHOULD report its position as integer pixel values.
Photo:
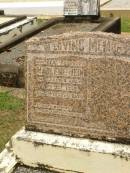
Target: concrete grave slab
(7, 161)
(54, 153)
(67, 154)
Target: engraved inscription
(82, 46)
(81, 7)
(55, 109)
(59, 94)
(60, 71)
(71, 7)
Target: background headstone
(79, 85)
(81, 7)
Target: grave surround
(78, 85)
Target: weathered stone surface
(8, 75)
(24, 169)
(79, 85)
(81, 7)
(13, 59)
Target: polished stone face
(81, 7)
(79, 85)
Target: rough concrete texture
(7, 161)
(67, 154)
(8, 75)
(78, 85)
(15, 55)
(65, 27)
(87, 145)
(24, 169)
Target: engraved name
(59, 71)
(83, 46)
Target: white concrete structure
(65, 154)
(15, 54)
(7, 161)
(51, 8)
(33, 8)
(18, 28)
(11, 32)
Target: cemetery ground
(12, 113)
(125, 25)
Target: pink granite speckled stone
(79, 85)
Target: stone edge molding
(7, 160)
(81, 144)
(16, 151)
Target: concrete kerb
(7, 161)
(60, 153)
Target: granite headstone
(81, 7)
(78, 85)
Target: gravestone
(81, 7)
(79, 85)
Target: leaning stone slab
(78, 84)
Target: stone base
(7, 161)
(66, 154)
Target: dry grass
(125, 25)
(12, 113)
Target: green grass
(125, 25)
(12, 116)
(9, 102)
